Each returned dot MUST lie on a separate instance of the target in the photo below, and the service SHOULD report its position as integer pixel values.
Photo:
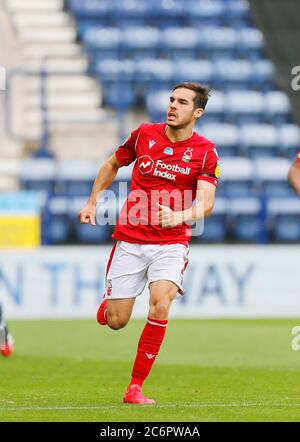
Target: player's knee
(159, 310)
(116, 322)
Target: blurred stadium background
(81, 74)
(76, 76)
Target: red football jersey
(164, 172)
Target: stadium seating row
(235, 106)
(172, 42)
(253, 140)
(281, 140)
(249, 219)
(157, 73)
(240, 176)
(162, 11)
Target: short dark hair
(202, 92)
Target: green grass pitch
(208, 370)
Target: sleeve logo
(217, 171)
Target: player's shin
(148, 348)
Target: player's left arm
(294, 175)
(205, 199)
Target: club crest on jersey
(187, 156)
(168, 151)
(151, 143)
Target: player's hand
(87, 215)
(167, 217)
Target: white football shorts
(131, 266)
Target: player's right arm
(294, 175)
(123, 156)
(105, 177)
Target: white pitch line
(195, 405)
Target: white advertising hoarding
(220, 281)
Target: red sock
(148, 348)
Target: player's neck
(175, 134)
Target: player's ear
(198, 112)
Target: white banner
(220, 281)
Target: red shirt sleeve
(210, 168)
(125, 153)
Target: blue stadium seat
(113, 71)
(271, 175)
(90, 8)
(84, 233)
(193, 70)
(158, 13)
(287, 228)
(84, 25)
(245, 106)
(130, 12)
(218, 41)
(169, 11)
(103, 42)
(87, 234)
(157, 103)
(179, 43)
(259, 140)
(76, 177)
(116, 74)
(116, 77)
(278, 107)
(38, 174)
(237, 12)
(154, 74)
(237, 176)
(140, 42)
(207, 9)
(225, 136)
(248, 222)
(289, 140)
(232, 74)
(283, 215)
(215, 227)
(56, 227)
(263, 74)
(216, 108)
(250, 43)
(243, 74)
(118, 97)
